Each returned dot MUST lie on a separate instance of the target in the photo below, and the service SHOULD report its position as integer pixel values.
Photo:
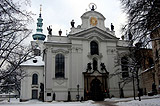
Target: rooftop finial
(40, 10)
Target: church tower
(39, 37)
(39, 34)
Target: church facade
(76, 66)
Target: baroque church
(76, 66)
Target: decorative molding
(60, 51)
(34, 86)
(111, 51)
(47, 50)
(60, 81)
(76, 49)
(97, 56)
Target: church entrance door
(95, 87)
(34, 94)
(96, 92)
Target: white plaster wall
(49, 72)
(58, 86)
(56, 38)
(26, 83)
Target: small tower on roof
(39, 34)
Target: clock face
(93, 21)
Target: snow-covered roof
(36, 61)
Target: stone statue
(112, 27)
(89, 67)
(92, 8)
(54, 96)
(72, 23)
(60, 32)
(49, 30)
(69, 96)
(41, 94)
(42, 87)
(103, 67)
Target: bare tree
(123, 68)
(143, 18)
(13, 31)
(127, 65)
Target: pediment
(92, 33)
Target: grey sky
(59, 13)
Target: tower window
(37, 52)
(59, 66)
(94, 48)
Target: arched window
(124, 65)
(94, 48)
(34, 79)
(59, 66)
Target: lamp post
(77, 92)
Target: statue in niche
(49, 30)
(112, 27)
(89, 67)
(72, 23)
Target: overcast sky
(59, 13)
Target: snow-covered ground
(146, 101)
(16, 102)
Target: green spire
(39, 23)
(39, 35)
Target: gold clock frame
(93, 21)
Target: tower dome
(39, 31)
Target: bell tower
(39, 31)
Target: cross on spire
(40, 8)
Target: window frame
(60, 66)
(94, 48)
(124, 67)
(35, 79)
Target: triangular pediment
(93, 32)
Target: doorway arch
(96, 92)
